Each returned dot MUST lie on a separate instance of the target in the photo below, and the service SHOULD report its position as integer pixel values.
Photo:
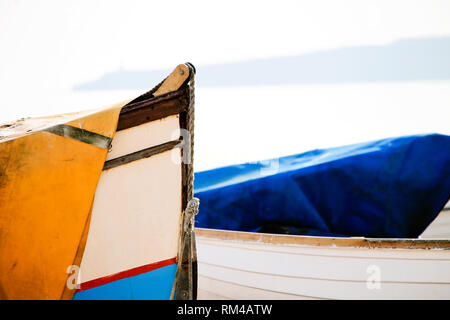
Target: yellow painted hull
(47, 185)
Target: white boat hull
(136, 233)
(440, 227)
(238, 265)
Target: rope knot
(190, 212)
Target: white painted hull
(136, 213)
(239, 265)
(440, 227)
(139, 231)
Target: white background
(48, 47)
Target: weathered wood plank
(146, 153)
(174, 81)
(153, 109)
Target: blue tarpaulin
(390, 188)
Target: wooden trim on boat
(355, 242)
(160, 105)
(184, 166)
(152, 109)
(174, 81)
(146, 153)
(81, 135)
(185, 285)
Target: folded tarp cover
(390, 188)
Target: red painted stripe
(126, 274)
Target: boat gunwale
(151, 109)
(151, 101)
(345, 242)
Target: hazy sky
(52, 45)
(48, 47)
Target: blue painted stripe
(154, 285)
